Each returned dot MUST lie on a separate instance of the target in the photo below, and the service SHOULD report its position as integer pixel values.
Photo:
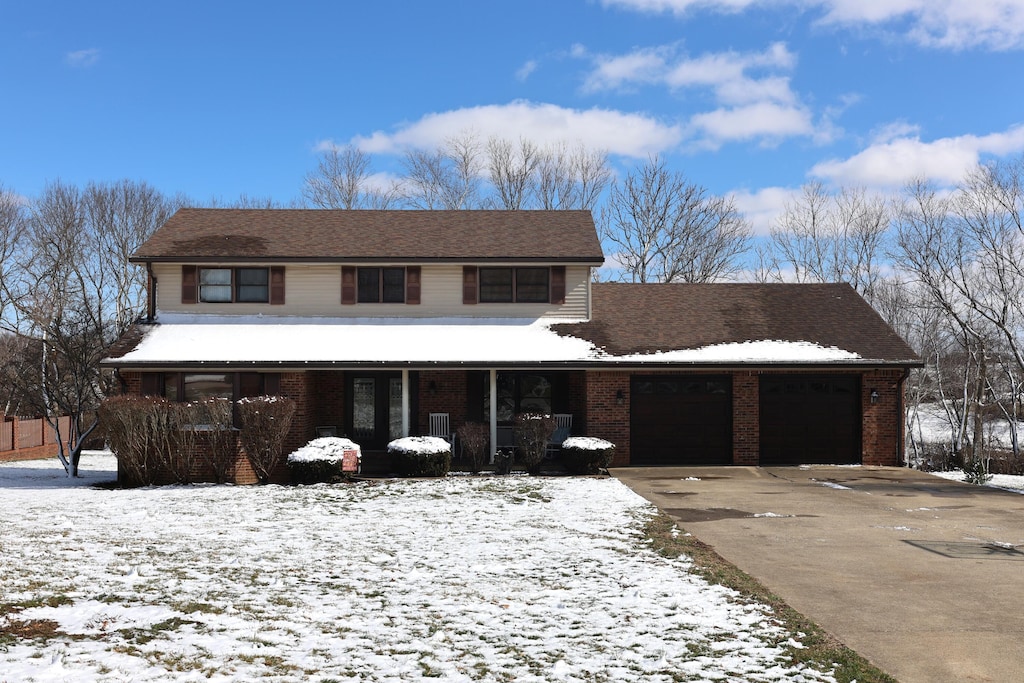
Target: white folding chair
(563, 429)
(440, 425)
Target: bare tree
(445, 178)
(71, 297)
(511, 169)
(121, 217)
(822, 237)
(342, 180)
(571, 178)
(663, 228)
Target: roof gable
(374, 236)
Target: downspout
(901, 419)
(151, 293)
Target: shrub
(587, 455)
(473, 439)
(421, 456)
(212, 422)
(130, 423)
(532, 433)
(265, 423)
(320, 460)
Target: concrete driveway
(923, 576)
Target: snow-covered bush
(320, 460)
(587, 454)
(421, 456)
(532, 433)
(265, 423)
(473, 438)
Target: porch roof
(179, 341)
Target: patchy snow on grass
(930, 423)
(461, 579)
(1009, 482)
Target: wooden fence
(28, 438)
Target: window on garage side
(518, 285)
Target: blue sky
(751, 97)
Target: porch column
(493, 417)
(405, 403)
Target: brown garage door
(681, 420)
(810, 420)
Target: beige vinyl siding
(315, 290)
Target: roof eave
(596, 261)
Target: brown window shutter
(412, 285)
(272, 384)
(151, 384)
(558, 284)
(469, 287)
(348, 285)
(189, 288)
(277, 285)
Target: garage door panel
(810, 419)
(681, 420)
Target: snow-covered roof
(189, 340)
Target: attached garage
(810, 419)
(681, 420)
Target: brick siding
(605, 417)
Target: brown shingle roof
(644, 318)
(335, 235)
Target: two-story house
(373, 320)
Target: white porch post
(405, 403)
(493, 417)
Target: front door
(375, 409)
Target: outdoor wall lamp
(620, 397)
(874, 397)
(432, 387)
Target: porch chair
(563, 429)
(440, 426)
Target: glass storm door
(375, 417)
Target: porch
(375, 407)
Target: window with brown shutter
(412, 285)
(558, 284)
(277, 285)
(469, 287)
(188, 284)
(348, 285)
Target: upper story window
(518, 285)
(381, 285)
(226, 285)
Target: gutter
(901, 417)
(497, 363)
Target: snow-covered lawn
(464, 578)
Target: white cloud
(523, 72)
(627, 134)
(755, 100)
(83, 58)
(891, 163)
(763, 206)
(944, 24)
(766, 120)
